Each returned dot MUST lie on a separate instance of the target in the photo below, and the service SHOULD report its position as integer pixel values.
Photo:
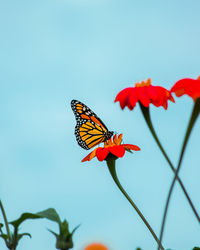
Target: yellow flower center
(143, 83)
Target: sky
(53, 51)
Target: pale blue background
(52, 51)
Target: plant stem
(147, 117)
(111, 166)
(194, 115)
(5, 220)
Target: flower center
(143, 83)
(109, 143)
(115, 141)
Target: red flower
(187, 86)
(145, 93)
(111, 146)
(96, 246)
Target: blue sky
(56, 51)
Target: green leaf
(64, 238)
(64, 228)
(4, 236)
(73, 231)
(50, 214)
(22, 218)
(55, 234)
(196, 248)
(19, 236)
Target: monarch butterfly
(89, 130)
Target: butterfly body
(89, 130)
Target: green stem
(194, 115)
(111, 166)
(147, 117)
(5, 220)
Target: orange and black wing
(89, 130)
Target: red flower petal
(112, 146)
(144, 93)
(131, 147)
(133, 99)
(90, 156)
(87, 158)
(126, 98)
(152, 92)
(102, 153)
(161, 97)
(188, 86)
(118, 151)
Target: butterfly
(89, 130)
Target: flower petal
(160, 96)
(112, 146)
(145, 93)
(101, 153)
(90, 156)
(96, 246)
(133, 98)
(117, 140)
(187, 86)
(126, 98)
(131, 147)
(117, 150)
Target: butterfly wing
(89, 130)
